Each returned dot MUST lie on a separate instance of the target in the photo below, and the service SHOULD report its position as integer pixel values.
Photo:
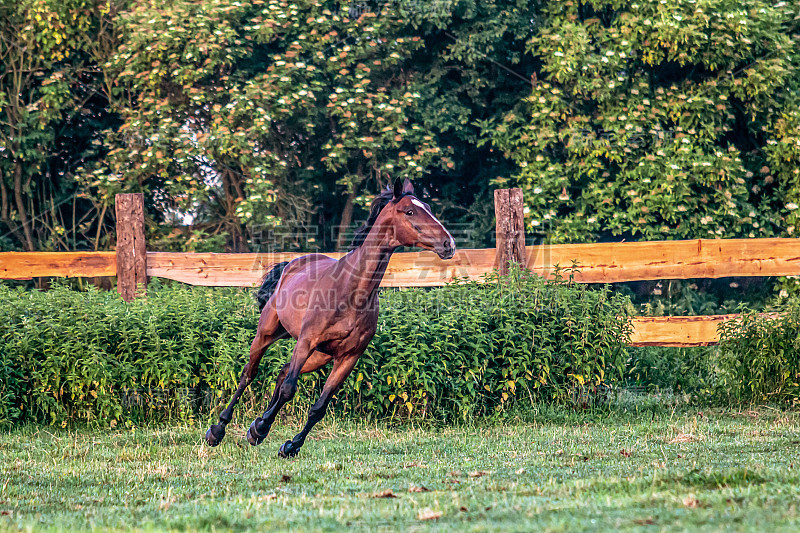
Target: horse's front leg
(284, 392)
(341, 369)
(270, 330)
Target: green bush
(82, 355)
(464, 349)
(760, 357)
(676, 370)
(471, 348)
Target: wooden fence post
(510, 228)
(131, 247)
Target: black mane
(375, 209)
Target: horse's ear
(398, 188)
(408, 187)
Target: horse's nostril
(446, 245)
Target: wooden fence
(597, 263)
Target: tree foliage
(259, 114)
(227, 104)
(659, 120)
(652, 120)
(51, 103)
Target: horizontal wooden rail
(211, 269)
(677, 330)
(680, 330)
(596, 263)
(27, 265)
(701, 258)
(410, 269)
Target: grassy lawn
(712, 471)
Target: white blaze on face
(421, 205)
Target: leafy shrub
(691, 374)
(760, 356)
(464, 349)
(469, 348)
(76, 355)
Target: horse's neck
(367, 263)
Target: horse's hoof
(253, 440)
(286, 450)
(215, 434)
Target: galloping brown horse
(331, 308)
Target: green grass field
(713, 471)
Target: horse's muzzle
(446, 250)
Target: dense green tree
(263, 113)
(659, 120)
(243, 113)
(474, 69)
(51, 104)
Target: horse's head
(414, 223)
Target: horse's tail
(268, 284)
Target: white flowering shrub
(660, 120)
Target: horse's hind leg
(269, 330)
(314, 362)
(341, 369)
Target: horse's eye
(409, 212)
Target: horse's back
(309, 265)
(297, 286)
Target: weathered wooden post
(510, 228)
(131, 247)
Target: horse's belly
(353, 343)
